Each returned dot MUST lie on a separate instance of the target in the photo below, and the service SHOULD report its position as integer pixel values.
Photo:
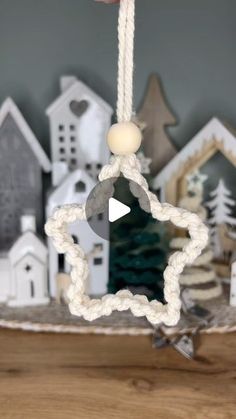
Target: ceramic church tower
(28, 267)
(24, 268)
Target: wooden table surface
(61, 376)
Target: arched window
(75, 238)
(80, 187)
(61, 262)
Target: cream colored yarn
(57, 226)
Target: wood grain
(72, 376)
(156, 115)
(176, 187)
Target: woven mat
(56, 318)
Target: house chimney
(28, 223)
(66, 82)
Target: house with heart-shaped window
(79, 120)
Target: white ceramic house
(28, 267)
(233, 285)
(79, 121)
(75, 189)
(4, 277)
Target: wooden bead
(124, 138)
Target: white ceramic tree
(221, 214)
(220, 205)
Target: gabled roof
(213, 129)
(9, 107)
(64, 193)
(28, 243)
(82, 89)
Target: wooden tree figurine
(155, 116)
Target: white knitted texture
(156, 312)
(204, 295)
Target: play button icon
(117, 210)
(112, 205)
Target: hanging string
(125, 60)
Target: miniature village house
(79, 121)
(22, 161)
(25, 269)
(5, 277)
(75, 189)
(214, 137)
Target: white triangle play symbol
(117, 210)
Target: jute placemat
(57, 318)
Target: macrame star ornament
(124, 139)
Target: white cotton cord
(125, 60)
(156, 312)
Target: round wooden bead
(124, 138)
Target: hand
(108, 1)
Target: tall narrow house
(22, 161)
(79, 120)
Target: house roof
(81, 88)
(28, 243)
(213, 129)
(64, 193)
(9, 107)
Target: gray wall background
(189, 43)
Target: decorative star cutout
(195, 180)
(145, 163)
(156, 312)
